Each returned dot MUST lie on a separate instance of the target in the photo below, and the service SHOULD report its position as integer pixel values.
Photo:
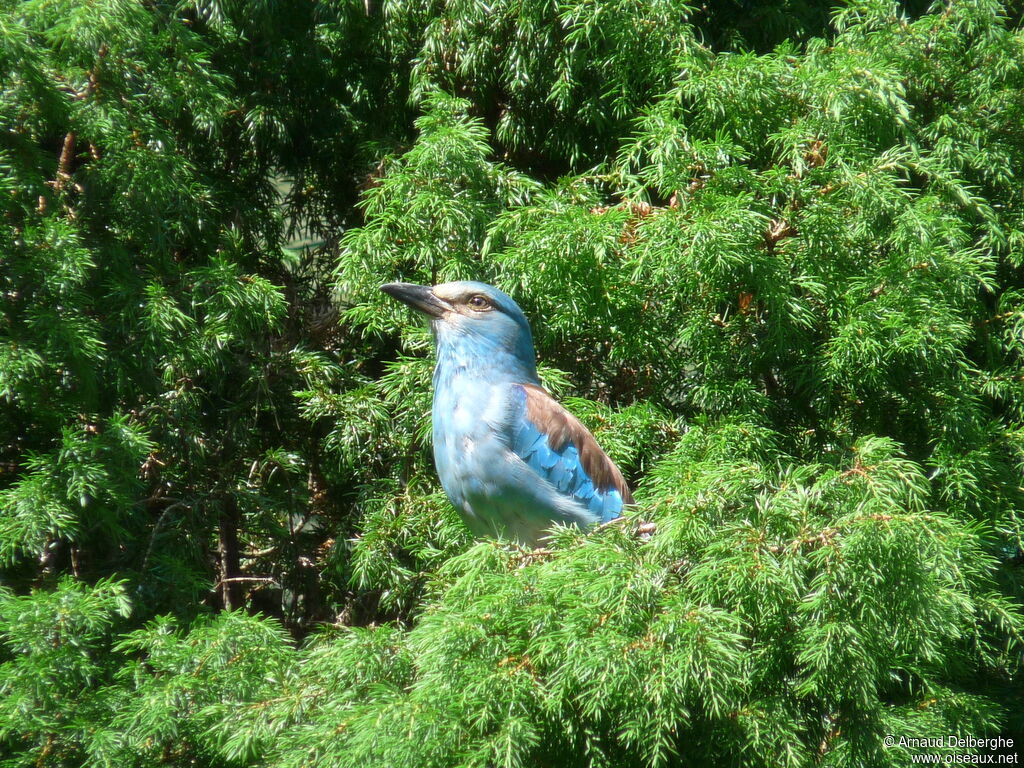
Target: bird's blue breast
(499, 469)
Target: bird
(512, 460)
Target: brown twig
(67, 153)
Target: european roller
(512, 460)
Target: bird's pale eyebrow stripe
(561, 427)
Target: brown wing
(561, 427)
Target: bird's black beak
(419, 297)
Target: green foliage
(772, 256)
(55, 646)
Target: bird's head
(473, 322)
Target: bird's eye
(479, 303)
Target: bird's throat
(486, 362)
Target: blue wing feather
(562, 467)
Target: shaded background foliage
(772, 254)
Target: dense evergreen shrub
(773, 255)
